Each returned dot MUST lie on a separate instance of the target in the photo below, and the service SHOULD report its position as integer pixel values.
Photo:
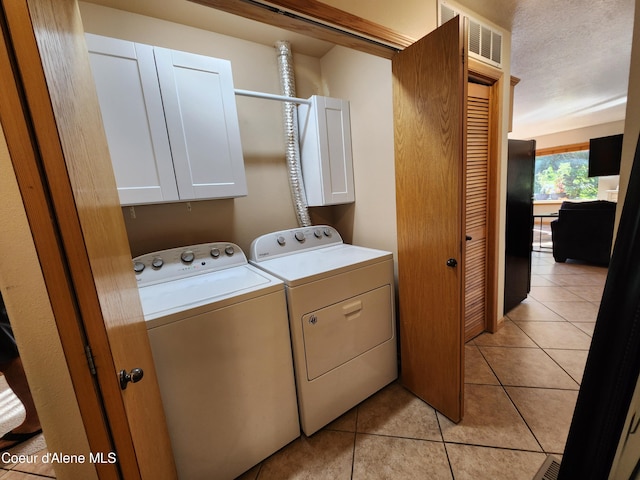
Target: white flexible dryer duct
(290, 114)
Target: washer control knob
(187, 256)
(138, 267)
(327, 232)
(157, 263)
(229, 250)
(299, 236)
(215, 253)
(317, 233)
(281, 241)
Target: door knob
(452, 262)
(134, 377)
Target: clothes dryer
(219, 335)
(341, 314)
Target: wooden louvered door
(476, 210)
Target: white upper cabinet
(171, 122)
(131, 106)
(202, 121)
(325, 151)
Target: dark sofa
(584, 231)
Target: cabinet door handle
(452, 262)
(468, 237)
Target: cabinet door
(202, 121)
(325, 149)
(131, 106)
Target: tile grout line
(547, 354)
(502, 385)
(511, 400)
(444, 444)
(355, 436)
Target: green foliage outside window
(564, 175)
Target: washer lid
(207, 291)
(311, 265)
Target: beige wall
(632, 122)
(371, 220)
(579, 135)
(362, 79)
(366, 81)
(268, 205)
(35, 330)
(415, 25)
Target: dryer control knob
(327, 232)
(138, 267)
(215, 253)
(317, 233)
(157, 263)
(281, 241)
(229, 250)
(299, 236)
(187, 256)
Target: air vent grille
(496, 47)
(446, 13)
(485, 44)
(549, 470)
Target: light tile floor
(521, 385)
(28, 471)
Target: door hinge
(90, 362)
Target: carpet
(12, 415)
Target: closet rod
(271, 96)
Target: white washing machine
(341, 314)
(220, 339)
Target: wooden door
(60, 155)
(477, 208)
(429, 92)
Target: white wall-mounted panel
(171, 122)
(325, 151)
(131, 106)
(202, 121)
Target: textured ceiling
(573, 61)
(572, 56)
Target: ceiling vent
(485, 43)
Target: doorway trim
(50, 117)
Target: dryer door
(340, 332)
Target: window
(562, 173)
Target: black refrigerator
(519, 222)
